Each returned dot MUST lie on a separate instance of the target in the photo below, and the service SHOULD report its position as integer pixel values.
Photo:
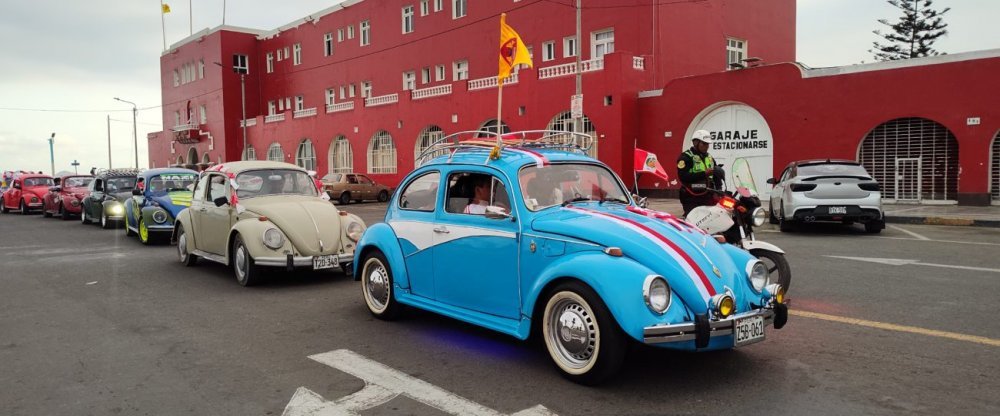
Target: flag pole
(499, 106)
(163, 25)
(635, 174)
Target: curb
(943, 221)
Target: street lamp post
(52, 154)
(135, 136)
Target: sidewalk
(897, 213)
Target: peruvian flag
(646, 162)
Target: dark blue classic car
(159, 195)
(530, 235)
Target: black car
(108, 192)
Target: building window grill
(305, 156)
(341, 156)
(381, 153)
(426, 138)
(275, 154)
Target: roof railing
(486, 140)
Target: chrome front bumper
(659, 334)
(291, 261)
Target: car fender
(184, 219)
(252, 232)
(617, 280)
(761, 245)
(381, 237)
(147, 216)
(346, 220)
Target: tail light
(727, 203)
(803, 187)
(870, 186)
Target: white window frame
(297, 54)
(548, 51)
(570, 47)
(203, 114)
(270, 62)
(409, 81)
(305, 155)
(407, 12)
(328, 44)
(300, 103)
(601, 47)
(736, 51)
(366, 89)
(331, 96)
(278, 52)
(425, 75)
(460, 70)
(459, 8)
(177, 78)
(350, 32)
(439, 73)
(275, 153)
(366, 32)
(425, 7)
(343, 92)
(381, 153)
(351, 90)
(341, 156)
(201, 69)
(340, 35)
(438, 5)
(246, 64)
(272, 108)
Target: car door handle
(202, 209)
(441, 230)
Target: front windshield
(77, 182)
(563, 183)
(274, 182)
(121, 184)
(38, 182)
(171, 182)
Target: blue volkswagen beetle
(528, 235)
(159, 195)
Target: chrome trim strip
(658, 334)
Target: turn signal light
(262, 218)
(613, 251)
(723, 305)
(343, 213)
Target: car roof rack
(117, 171)
(481, 140)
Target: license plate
(324, 262)
(748, 330)
(838, 210)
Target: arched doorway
(564, 122)
(192, 156)
(381, 153)
(491, 126)
(914, 159)
(275, 154)
(305, 156)
(249, 153)
(995, 170)
(341, 157)
(740, 131)
(206, 158)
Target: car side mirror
(772, 181)
(137, 192)
(640, 201)
(220, 201)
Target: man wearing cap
(698, 173)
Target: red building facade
(363, 85)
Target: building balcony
(338, 107)
(570, 68)
(382, 100)
(274, 118)
(248, 122)
(430, 92)
(491, 82)
(185, 127)
(306, 112)
(639, 63)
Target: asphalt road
(93, 323)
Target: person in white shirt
(481, 196)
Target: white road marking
(915, 235)
(905, 262)
(944, 241)
(382, 384)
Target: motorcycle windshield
(742, 176)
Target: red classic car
(26, 193)
(64, 199)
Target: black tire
(183, 250)
(128, 232)
(105, 222)
(247, 273)
(3, 207)
(783, 224)
(874, 227)
(24, 208)
(377, 287)
(383, 196)
(83, 215)
(63, 213)
(771, 218)
(601, 349)
(775, 263)
(46, 213)
(345, 198)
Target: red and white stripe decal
(686, 262)
(540, 159)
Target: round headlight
(74, 202)
(758, 216)
(354, 231)
(160, 217)
(115, 209)
(723, 305)
(757, 274)
(656, 293)
(273, 238)
(34, 199)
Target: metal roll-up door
(995, 169)
(931, 146)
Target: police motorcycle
(734, 216)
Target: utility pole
(52, 154)
(577, 121)
(109, 141)
(135, 136)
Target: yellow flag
(512, 50)
(165, 7)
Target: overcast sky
(63, 62)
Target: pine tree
(914, 33)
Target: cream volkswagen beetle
(260, 213)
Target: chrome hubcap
(182, 246)
(241, 262)
(573, 331)
(377, 285)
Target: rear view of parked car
(826, 190)
(347, 187)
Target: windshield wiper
(618, 200)
(577, 199)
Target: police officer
(698, 173)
